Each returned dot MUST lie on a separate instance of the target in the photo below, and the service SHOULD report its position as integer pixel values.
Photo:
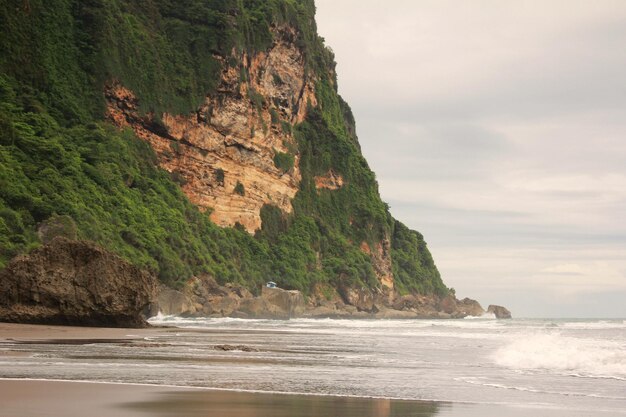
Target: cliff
(195, 139)
(236, 137)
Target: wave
(484, 383)
(553, 352)
(595, 325)
(304, 393)
(486, 321)
(485, 316)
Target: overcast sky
(498, 130)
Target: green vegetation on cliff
(60, 159)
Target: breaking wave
(556, 353)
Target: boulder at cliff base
(75, 283)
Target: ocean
(551, 367)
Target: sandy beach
(78, 399)
(37, 332)
(104, 364)
(20, 398)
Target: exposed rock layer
(330, 181)
(75, 282)
(223, 154)
(381, 261)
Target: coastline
(71, 399)
(112, 395)
(43, 332)
(51, 398)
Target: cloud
(497, 129)
(462, 59)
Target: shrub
(257, 99)
(283, 161)
(274, 115)
(239, 189)
(219, 176)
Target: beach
(239, 368)
(77, 399)
(20, 398)
(42, 332)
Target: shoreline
(23, 396)
(35, 332)
(40, 397)
(52, 398)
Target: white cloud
(497, 129)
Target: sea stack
(499, 311)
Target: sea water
(572, 367)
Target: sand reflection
(240, 404)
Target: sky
(497, 128)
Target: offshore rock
(499, 311)
(470, 307)
(76, 283)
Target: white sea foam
(485, 316)
(555, 352)
(483, 382)
(486, 322)
(595, 325)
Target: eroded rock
(499, 311)
(470, 307)
(234, 136)
(77, 283)
(203, 296)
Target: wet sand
(28, 398)
(36, 398)
(19, 398)
(40, 332)
(74, 399)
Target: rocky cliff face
(227, 155)
(73, 282)
(239, 102)
(381, 261)
(203, 297)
